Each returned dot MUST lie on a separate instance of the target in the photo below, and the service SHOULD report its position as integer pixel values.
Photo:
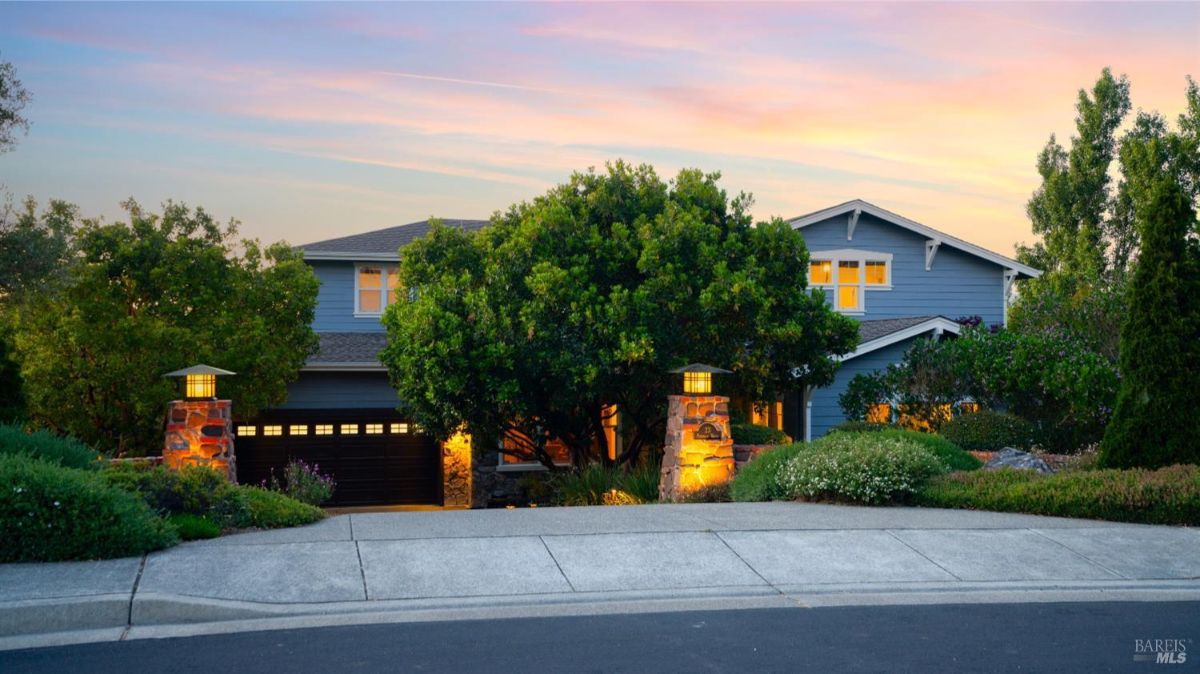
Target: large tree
(13, 99)
(1087, 234)
(154, 294)
(584, 297)
(1155, 421)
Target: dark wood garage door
(374, 455)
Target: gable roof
(878, 333)
(858, 205)
(381, 244)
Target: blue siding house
(903, 281)
(900, 279)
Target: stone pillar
(456, 471)
(699, 448)
(200, 433)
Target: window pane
(370, 278)
(369, 301)
(879, 413)
(876, 273)
(349, 429)
(323, 429)
(393, 284)
(373, 429)
(298, 429)
(848, 271)
(820, 271)
(399, 428)
(246, 431)
(848, 297)
(272, 430)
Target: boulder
(1015, 458)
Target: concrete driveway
(474, 563)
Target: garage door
(375, 456)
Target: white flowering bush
(859, 468)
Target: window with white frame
(375, 287)
(847, 275)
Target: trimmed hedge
(1165, 496)
(988, 431)
(870, 468)
(50, 513)
(44, 445)
(753, 434)
(757, 480)
(271, 510)
(194, 528)
(950, 453)
(194, 490)
(856, 426)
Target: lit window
(820, 272)
(323, 429)
(848, 271)
(349, 429)
(373, 429)
(876, 273)
(201, 385)
(399, 428)
(879, 413)
(300, 429)
(247, 431)
(969, 408)
(848, 298)
(557, 449)
(393, 284)
(370, 290)
(272, 430)
(697, 382)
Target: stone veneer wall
(200, 433)
(690, 459)
(456, 471)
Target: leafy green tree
(584, 297)
(1155, 421)
(154, 294)
(1087, 235)
(13, 99)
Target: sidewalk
(484, 563)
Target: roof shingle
(349, 347)
(385, 241)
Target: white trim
(932, 325)
(353, 257)
(928, 232)
(862, 257)
(348, 366)
(1009, 277)
(808, 413)
(386, 272)
(931, 249)
(851, 223)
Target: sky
(310, 121)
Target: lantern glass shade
(697, 382)
(201, 385)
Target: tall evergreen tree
(1155, 422)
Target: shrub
(194, 490)
(753, 434)
(44, 445)
(304, 483)
(1164, 496)
(861, 468)
(756, 481)
(594, 485)
(949, 453)
(713, 493)
(194, 528)
(859, 426)
(50, 513)
(272, 510)
(989, 431)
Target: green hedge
(44, 445)
(194, 527)
(271, 510)
(50, 513)
(1164, 496)
(193, 490)
(757, 480)
(989, 431)
(950, 454)
(753, 434)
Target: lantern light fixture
(199, 381)
(698, 378)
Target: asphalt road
(1070, 637)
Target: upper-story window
(374, 288)
(847, 275)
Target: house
(901, 279)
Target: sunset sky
(307, 121)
